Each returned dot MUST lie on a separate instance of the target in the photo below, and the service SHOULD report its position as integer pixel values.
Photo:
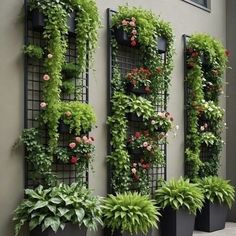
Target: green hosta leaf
(40, 204)
(56, 200)
(53, 222)
(80, 213)
(63, 211)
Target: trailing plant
(54, 207)
(217, 190)
(68, 87)
(206, 62)
(70, 70)
(80, 117)
(34, 51)
(180, 194)
(130, 212)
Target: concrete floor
(230, 230)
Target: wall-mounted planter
(70, 229)
(136, 153)
(176, 223)
(38, 21)
(138, 91)
(212, 217)
(134, 117)
(62, 127)
(121, 37)
(161, 44)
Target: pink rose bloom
(72, 145)
(149, 148)
(145, 144)
(124, 22)
(50, 56)
(68, 113)
(132, 38)
(90, 141)
(78, 139)
(134, 32)
(153, 122)
(133, 19)
(134, 171)
(46, 77)
(131, 23)
(205, 125)
(43, 104)
(85, 138)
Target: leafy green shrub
(180, 194)
(68, 87)
(70, 70)
(130, 212)
(54, 207)
(33, 51)
(216, 189)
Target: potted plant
(34, 51)
(218, 197)
(70, 70)
(61, 210)
(68, 87)
(179, 201)
(130, 214)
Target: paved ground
(230, 230)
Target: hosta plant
(130, 212)
(54, 207)
(217, 190)
(180, 194)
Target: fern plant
(130, 212)
(216, 189)
(180, 194)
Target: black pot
(122, 37)
(212, 217)
(70, 230)
(62, 127)
(37, 19)
(118, 233)
(176, 222)
(71, 22)
(138, 91)
(134, 117)
(161, 44)
(136, 153)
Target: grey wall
(185, 19)
(231, 105)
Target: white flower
(153, 122)
(177, 127)
(134, 171)
(202, 128)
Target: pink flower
(132, 38)
(124, 22)
(43, 104)
(50, 56)
(131, 23)
(137, 134)
(134, 164)
(149, 148)
(134, 171)
(46, 77)
(145, 144)
(68, 113)
(72, 145)
(134, 32)
(90, 141)
(85, 138)
(73, 160)
(92, 138)
(153, 122)
(78, 139)
(205, 125)
(133, 43)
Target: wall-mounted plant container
(136, 153)
(212, 217)
(138, 91)
(134, 117)
(161, 44)
(70, 229)
(63, 128)
(176, 222)
(121, 36)
(37, 19)
(71, 22)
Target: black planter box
(161, 44)
(62, 127)
(118, 233)
(71, 22)
(138, 91)
(70, 230)
(121, 37)
(134, 117)
(176, 223)
(136, 153)
(212, 217)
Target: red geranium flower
(137, 134)
(73, 160)
(133, 43)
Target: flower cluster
(139, 77)
(130, 26)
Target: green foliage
(180, 194)
(54, 207)
(70, 70)
(34, 51)
(68, 87)
(208, 138)
(130, 212)
(217, 190)
(79, 116)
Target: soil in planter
(138, 91)
(212, 217)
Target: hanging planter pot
(161, 44)
(71, 23)
(121, 36)
(70, 229)
(62, 127)
(134, 117)
(37, 19)
(212, 217)
(176, 222)
(136, 153)
(138, 91)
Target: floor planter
(161, 44)
(122, 37)
(118, 233)
(70, 230)
(134, 117)
(212, 217)
(138, 91)
(176, 222)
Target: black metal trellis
(127, 59)
(33, 72)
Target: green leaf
(80, 213)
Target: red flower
(227, 53)
(194, 54)
(137, 134)
(73, 160)
(134, 43)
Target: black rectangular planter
(118, 233)
(63, 128)
(136, 153)
(212, 217)
(71, 22)
(121, 37)
(70, 230)
(161, 44)
(134, 117)
(138, 91)
(176, 223)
